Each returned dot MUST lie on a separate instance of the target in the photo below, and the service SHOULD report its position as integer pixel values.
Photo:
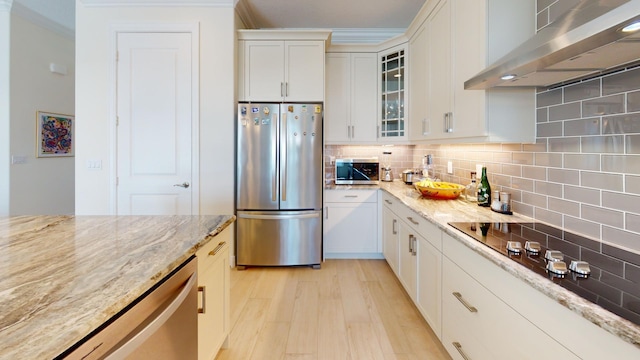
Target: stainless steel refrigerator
(279, 184)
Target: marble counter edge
(595, 314)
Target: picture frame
(54, 134)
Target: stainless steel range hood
(585, 41)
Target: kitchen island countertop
(441, 212)
(61, 277)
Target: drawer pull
(351, 196)
(466, 304)
(387, 201)
(458, 347)
(203, 290)
(217, 248)
(412, 221)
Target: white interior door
(154, 107)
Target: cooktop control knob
(580, 267)
(554, 255)
(532, 247)
(514, 247)
(557, 267)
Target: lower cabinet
(479, 325)
(430, 282)
(213, 288)
(351, 224)
(390, 237)
(408, 256)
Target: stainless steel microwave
(357, 171)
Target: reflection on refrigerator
(279, 184)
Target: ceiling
(384, 18)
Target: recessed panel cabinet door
(264, 70)
(154, 131)
(304, 71)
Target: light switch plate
(449, 167)
(18, 159)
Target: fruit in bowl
(439, 189)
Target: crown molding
(198, 3)
(244, 11)
(5, 5)
(41, 20)
(364, 36)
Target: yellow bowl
(439, 189)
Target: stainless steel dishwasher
(161, 324)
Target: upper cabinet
(456, 41)
(279, 65)
(393, 79)
(350, 107)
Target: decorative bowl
(439, 189)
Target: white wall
(94, 93)
(40, 185)
(5, 27)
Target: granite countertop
(63, 276)
(440, 212)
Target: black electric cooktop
(605, 275)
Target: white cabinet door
(304, 71)
(282, 71)
(344, 230)
(337, 109)
(351, 105)
(351, 224)
(418, 98)
(430, 284)
(439, 54)
(214, 287)
(407, 248)
(264, 70)
(390, 236)
(364, 85)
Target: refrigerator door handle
(283, 161)
(274, 171)
(279, 217)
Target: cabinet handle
(202, 290)
(412, 221)
(378, 131)
(348, 132)
(353, 131)
(326, 212)
(449, 122)
(458, 347)
(281, 89)
(286, 89)
(464, 302)
(411, 237)
(393, 227)
(387, 201)
(415, 246)
(217, 248)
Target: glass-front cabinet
(392, 93)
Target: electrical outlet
(479, 170)
(332, 160)
(449, 167)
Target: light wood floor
(349, 309)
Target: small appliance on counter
(410, 176)
(387, 174)
(363, 171)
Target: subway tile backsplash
(583, 172)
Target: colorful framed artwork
(54, 134)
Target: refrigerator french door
(279, 184)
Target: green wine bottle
(484, 190)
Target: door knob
(184, 185)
